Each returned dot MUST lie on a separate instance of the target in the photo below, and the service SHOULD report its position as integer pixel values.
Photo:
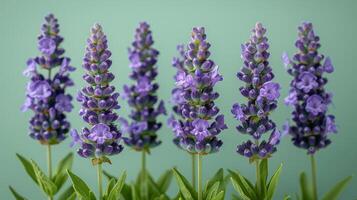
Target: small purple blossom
(142, 95)
(99, 101)
(198, 124)
(307, 94)
(262, 94)
(46, 93)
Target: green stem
(143, 166)
(314, 177)
(49, 165)
(258, 174)
(199, 176)
(193, 157)
(99, 175)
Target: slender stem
(258, 174)
(193, 157)
(314, 176)
(143, 166)
(99, 175)
(199, 176)
(49, 165)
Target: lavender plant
(198, 125)
(311, 126)
(98, 99)
(145, 105)
(254, 116)
(47, 98)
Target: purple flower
(307, 82)
(47, 46)
(315, 105)
(142, 95)
(307, 95)
(198, 124)
(46, 93)
(286, 60)
(39, 90)
(270, 91)
(262, 95)
(63, 103)
(76, 139)
(65, 66)
(30, 69)
(99, 133)
(99, 101)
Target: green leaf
(305, 186)
(153, 189)
(60, 174)
(79, 186)
(44, 182)
(28, 167)
(237, 186)
(287, 197)
(273, 183)
(263, 170)
(217, 177)
(212, 191)
(110, 186)
(126, 192)
(109, 176)
(16, 195)
(134, 193)
(164, 181)
(72, 197)
(67, 193)
(242, 185)
(115, 193)
(185, 187)
(219, 196)
(235, 197)
(334, 193)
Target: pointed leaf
(67, 193)
(212, 191)
(305, 187)
(334, 193)
(28, 167)
(245, 187)
(164, 181)
(273, 183)
(44, 182)
(237, 186)
(115, 193)
(79, 186)
(287, 197)
(235, 197)
(61, 176)
(110, 186)
(72, 197)
(219, 196)
(16, 195)
(185, 187)
(218, 177)
(109, 176)
(126, 192)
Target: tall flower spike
(307, 95)
(142, 96)
(99, 101)
(46, 93)
(199, 124)
(262, 94)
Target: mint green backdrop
(228, 24)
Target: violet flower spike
(46, 93)
(99, 101)
(142, 95)
(262, 94)
(197, 123)
(311, 123)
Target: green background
(228, 24)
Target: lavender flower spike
(262, 94)
(141, 96)
(198, 123)
(46, 93)
(307, 95)
(99, 101)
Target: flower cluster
(45, 93)
(199, 124)
(98, 100)
(141, 96)
(262, 94)
(307, 94)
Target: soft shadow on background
(228, 24)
